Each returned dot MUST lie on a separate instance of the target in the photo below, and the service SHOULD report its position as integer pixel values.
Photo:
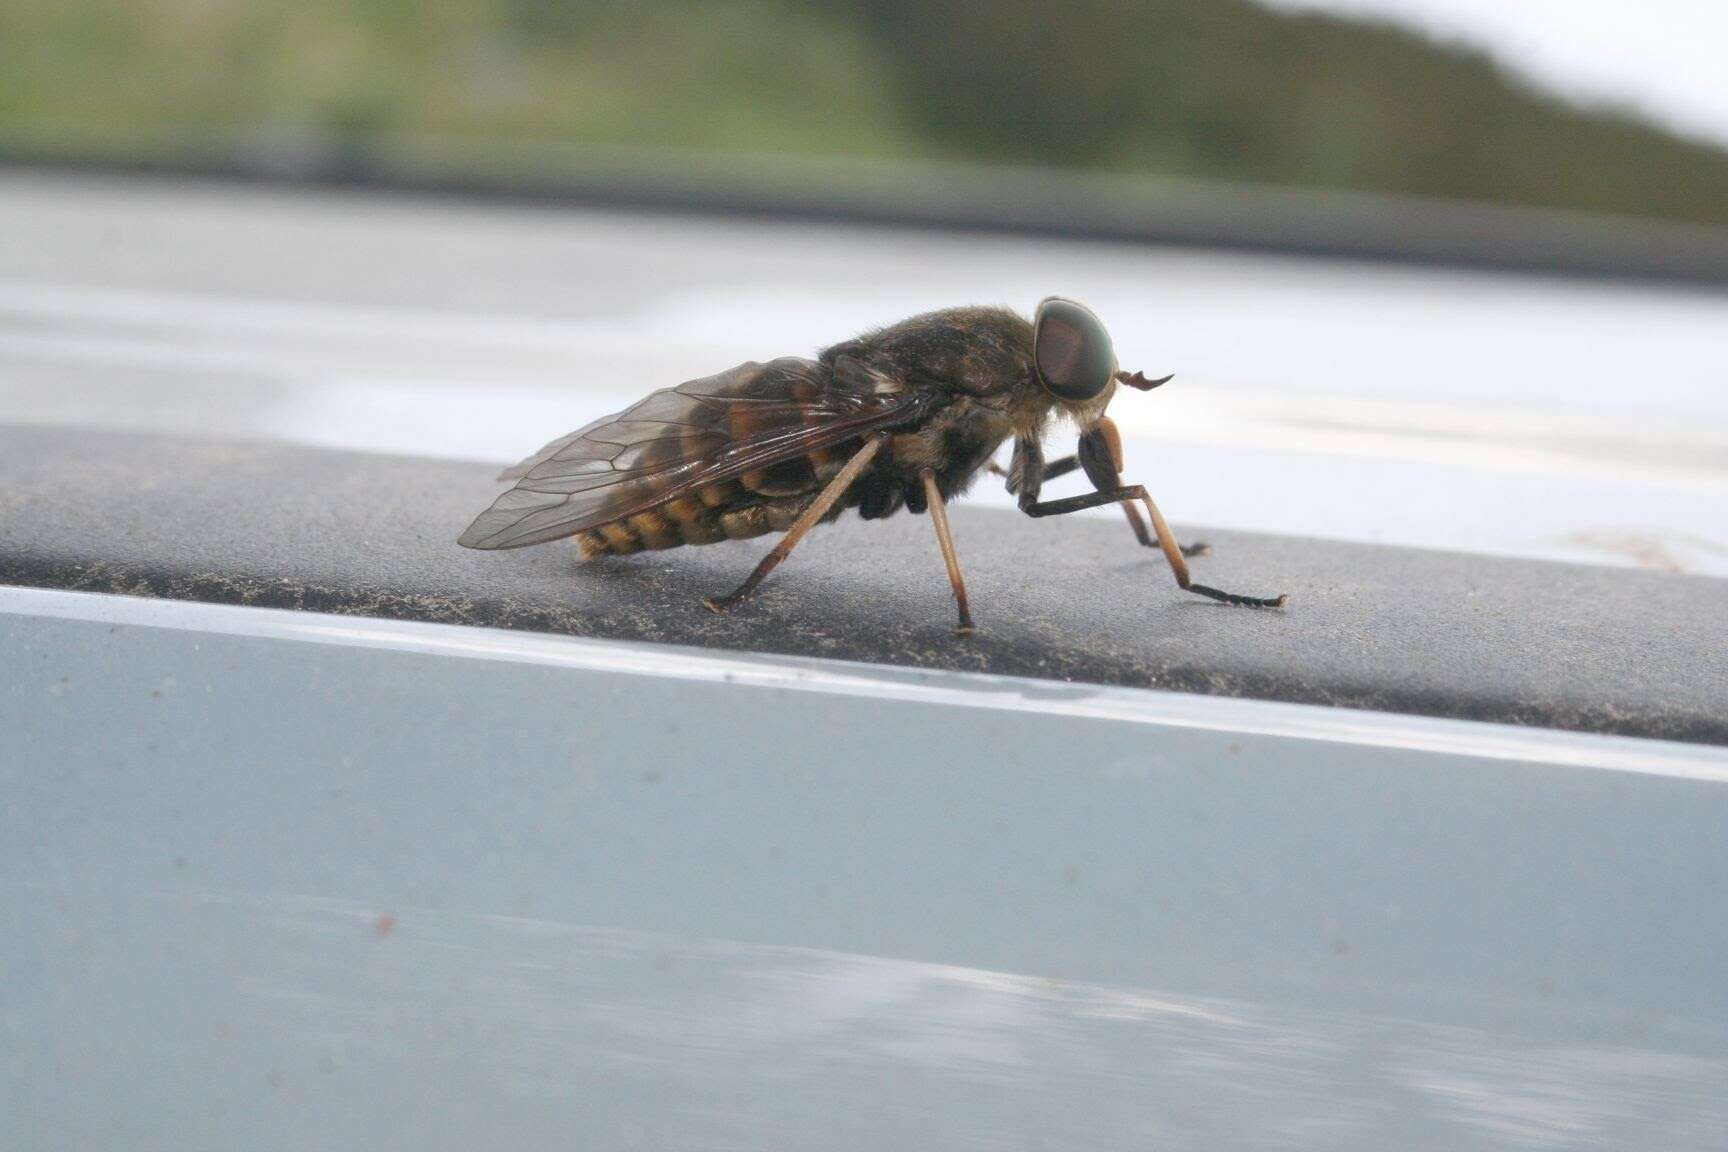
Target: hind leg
(811, 517)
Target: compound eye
(1072, 351)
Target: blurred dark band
(1067, 205)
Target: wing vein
(683, 439)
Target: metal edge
(1391, 731)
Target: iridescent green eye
(1071, 350)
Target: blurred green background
(1216, 89)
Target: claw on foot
(1240, 601)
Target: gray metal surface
(287, 880)
(1117, 209)
(1067, 599)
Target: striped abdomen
(753, 504)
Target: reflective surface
(329, 1024)
(279, 878)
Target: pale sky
(1665, 58)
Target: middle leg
(939, 517)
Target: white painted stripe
(230, 316)
(951, 689)
(272, 338)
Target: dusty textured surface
(1072, 599)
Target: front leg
(1102, 461)
(1101, 455)
(1032, 506)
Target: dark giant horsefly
(905, 416)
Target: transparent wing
(680, 439)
